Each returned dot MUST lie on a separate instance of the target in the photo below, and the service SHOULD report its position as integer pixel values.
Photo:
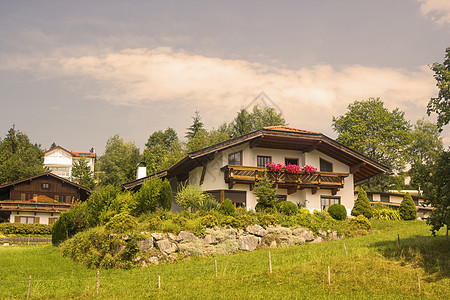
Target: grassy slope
(374, 269)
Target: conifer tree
(362, 205)
(407, 208)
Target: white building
(60, 161)
(232, 168)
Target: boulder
(279, 230)
(210, 239)
(248, 242)
(186, 236)
(166, 246)
(158, 236)
(145, 245)
(308, 235)
(173, 237)
(256, 230)
(317, 240)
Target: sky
(78, 72)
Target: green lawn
(376, 268)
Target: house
(394, 199)
(232, 168)
(60, 161)
(39, 199)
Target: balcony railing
(292, 182)
(11, 205)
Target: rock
(256, 230)
(166, 246)
(248, 242)
(317, 240)
(158, 236)
(210, 239)
(279, 230)
(146, 244)
(5, 244)
(306, 234)
(173, 237)
(273, 244)
(186, 236)
(269, 241)
(144, 264)
(322, 233)
(153, 260)
(334, 235)
(126, 237)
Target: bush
(210, 203)
(361, 222)
(386, 213)
(122, 223)
(190, 196)
(362, 205)
(246, 220)
(338, 212)
(267, 219)
(265, 193)
(25, 229)
(407, 208)
(230, 221)
(227, 208)
(287, 208)
(149, 196)
(71, 222)
(209, 221)
(166, 197)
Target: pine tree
(407, 208)
(362, 205)
(265, 193)
(196, 126)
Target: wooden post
(159, 282)
(418, 283)
(215, 266)
(329, 276)
(398, 239)
(345, 249)
(270, 263)
(29, 287)
(98, 281)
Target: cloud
(437, 10)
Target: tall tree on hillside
(19, 158)
(246, 122)
(426, 146)
(371, 129)
(82, 174)
(196, 126)
(441, 104)
(53, 145)
(118, 164)
(162, 150)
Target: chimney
(141, 170)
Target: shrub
(361, 222)
(166, 197)
(338, 212)
(386, 213)
(407, 208)
(230, 221)
(267, 219)
(287, 207)
(148, 196)
(71, 222)
(25, 229)
(209, 221)
(210, 203)
(265, 193)
(362, 205)
(246, 220)
(155, 223)
(190, 196)
(122, 223)
(227, 207)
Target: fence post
(215, 266)
(329, 276)
(418, 283)
(29, 287)
(270, 263)
(345, 249)
(98, 281)
(398, 239)
(159, 282)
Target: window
(263, 160)
(57, 198)
(327, 201)
(52, 221)
(235, 159)
(23, 197)
(45, 186)
(292, 161)
(325, 166)
(385, 198)
(27, 220)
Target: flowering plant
(293, 169)
(273, 167)
(309, 169)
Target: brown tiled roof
(84, 154)
(289, 129)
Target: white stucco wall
(214, 178)
(43, 217)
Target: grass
(376, 268)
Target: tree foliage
(265, 193)
(82, 174)
(407, 208)
(190, 196)
(118, 164)
(19, 158)
(437, 192)
(441, 104)
(371, 129)
(196, 126)
(362, 205)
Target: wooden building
(39, 199)
(232, 168)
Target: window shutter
(36, 220)
(16, 219)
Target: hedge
(20, 228)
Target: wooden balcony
(291, 182)
(29, 206)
